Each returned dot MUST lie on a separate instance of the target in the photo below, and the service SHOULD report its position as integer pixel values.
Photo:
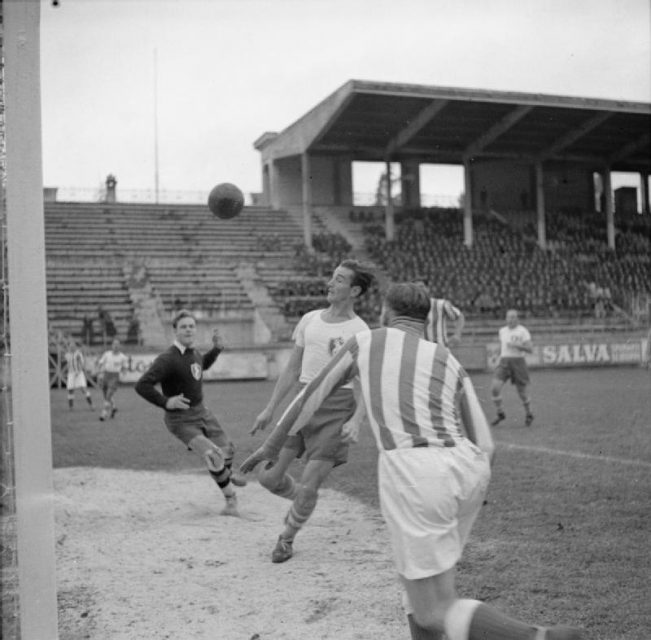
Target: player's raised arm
(340, 370)
(211, 356)
(459, 324)
(285, 383)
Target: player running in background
(324, 442)
(76, 378)
(179, 372)
(432, 479)
(110, 365)
(515, 341)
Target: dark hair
(408, 299)
(362, 275)
(183, 313)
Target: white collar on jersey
(180, 347)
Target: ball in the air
(226, 200)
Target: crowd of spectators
(577, 276)
(505, 269)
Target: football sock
(70, 402)
(301, 509)
(89, 400)
(418, 633)
(222, 478)
(473, 620)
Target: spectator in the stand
(133, 330)
(87, 330)
(106, 323)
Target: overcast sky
(228, 70)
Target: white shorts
(76, 380)
(430, 498)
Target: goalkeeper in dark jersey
(179, 373)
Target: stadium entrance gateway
(518, 150)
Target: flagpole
(156, 182)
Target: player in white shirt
(324, 442)
(110, 365)
(515, 342)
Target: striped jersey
(436, 325)
(75, 361)
(415, 393)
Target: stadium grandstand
(539, 228)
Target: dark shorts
(110, 382)
(198, 421)
(320, 439)
(514, 370)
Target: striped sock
(222, 478)
(302, 507)
(418, 633)
(473, 620)
(490, 624)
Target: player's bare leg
(107, 408)
(523, 393)
(274, 476)
(214, 458)
(315, 472)
(496, 392)
(438, 608)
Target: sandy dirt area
(146, 555)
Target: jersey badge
(334, 345)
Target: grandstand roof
(382, 120)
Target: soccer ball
(226, 200)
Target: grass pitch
(565, 532)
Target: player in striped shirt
(76, 377)
(434, 448)
(441, 312)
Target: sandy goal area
(146, 555)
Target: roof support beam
(572, 136)
(629, 149)
(497, 130)
(406, 134)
